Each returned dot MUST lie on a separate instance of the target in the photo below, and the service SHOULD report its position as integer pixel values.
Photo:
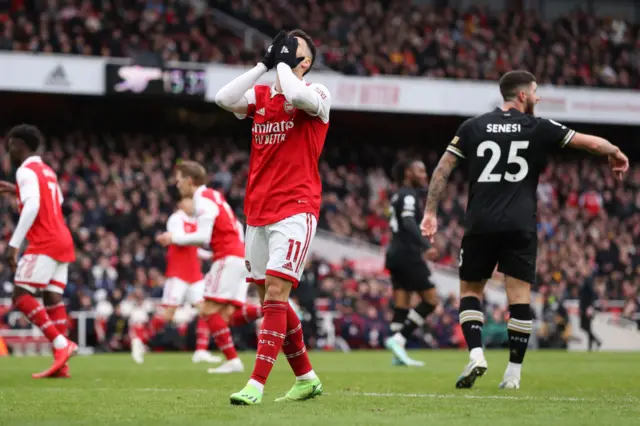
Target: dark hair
(307, 38)
(193, 170)
(512, 81)
(400, 169)
(30, 135)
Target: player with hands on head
(282, 203)
(504, 151)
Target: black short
(514, 252)
(413, 276)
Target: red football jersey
(283, 166)
(49, 234)
(226, 238)
(183, 261)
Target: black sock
(399, 315)
(415, 318)
(471, 321)
(519, 329)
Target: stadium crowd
(578, 49)
(117, 200)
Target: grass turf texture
(361, 388)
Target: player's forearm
(28, 215)
(204, 254)
(414, 230)
(593, 144)
(439, 181)
(197, 238)
(232, 93)
(296, 91)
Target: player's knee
(227, 312)
(209, 307)
(431, 297)
(518, 291)
(50, 298)
(18, 292)
(169, 312)
(277, 289)
(472, 289)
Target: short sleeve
(459, 145)
(408, 206)
(553, 133)
(250, 98)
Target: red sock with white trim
(139, 331)
(245, 315)
(35, 312)
(270, 340)
(222, 336)
(58, 315)
(295, 349)
(202, 335)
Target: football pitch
(361, 388)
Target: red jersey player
(45, 264)
(282, 204)
(184, 282)
(225, 285)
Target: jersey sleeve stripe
(570, 134)
(456, 151)
(407, 214)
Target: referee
(405, 259)
(588, 299)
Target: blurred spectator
(356, 37)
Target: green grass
(361, 388)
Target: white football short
(41, 272)
(226, 282)
(279, 249)
(177, 292)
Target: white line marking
(446, 396)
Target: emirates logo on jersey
(288, 107)
(271, 133)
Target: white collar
(200, 190)
(31, 159)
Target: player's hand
(287, 52)
(429, 226)
(619, 164)
(11, 257)
(164, 239)
(269, 59)
(432, 254)
(7, 187)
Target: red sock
(222, 336)
(293, 347)
(139, 331)
(202, 335)
(270, 338)
(36, 313)
(246, 315)
(58, 315)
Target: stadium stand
(578, 49)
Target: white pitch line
(446, 396)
